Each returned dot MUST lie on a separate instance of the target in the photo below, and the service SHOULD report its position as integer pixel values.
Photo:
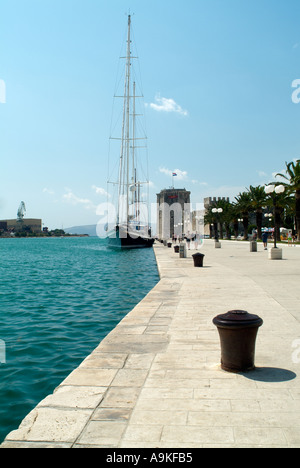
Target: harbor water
(59, 297)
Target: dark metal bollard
(238, 331)
(176, 248)
(198, 259)
(169, 244)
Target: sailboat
(131, 228)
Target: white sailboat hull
(125, 237)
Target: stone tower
(173, 209)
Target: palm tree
(293, 176)
(215, 219)
(243, 205)
(228, 215)
(209, 219)
(258, 201)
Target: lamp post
(273, 190)
(240, 220)
(217, 212)
(268, 216)
(180, 231)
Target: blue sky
(217, 80)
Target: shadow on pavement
(269, 374)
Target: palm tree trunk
(277, 219)
(259, 223)
(216, 232)
(245, 224)
(227, 230)
(221, 230)
(236, 228)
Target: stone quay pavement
(155, 381)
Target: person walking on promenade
(265, 239)
(196, 241)
(188, 240)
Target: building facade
(208, 203)
(173, 212)
(30, 224)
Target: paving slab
(156, 380)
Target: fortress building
(173, 209)
(208, 203)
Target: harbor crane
(21, 212)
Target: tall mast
(133, 154)
(128, 73)
(125, 137)
(128, 181)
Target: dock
(155, 381)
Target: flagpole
(173, 175)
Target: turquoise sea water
(59, 297)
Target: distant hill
(89, 229)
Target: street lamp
(274, 190)
(240, 220)
(280, 189)
(268, 217)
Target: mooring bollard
(198, 259)
(238, 331)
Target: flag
(174, 174)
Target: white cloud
(71, 198)
(167, 105)
(165, 171)
(196, 182)
(181, 175)
(46, 190)
(101, 191)
(152, 185)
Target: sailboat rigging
(131, 228)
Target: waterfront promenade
(155, 380)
